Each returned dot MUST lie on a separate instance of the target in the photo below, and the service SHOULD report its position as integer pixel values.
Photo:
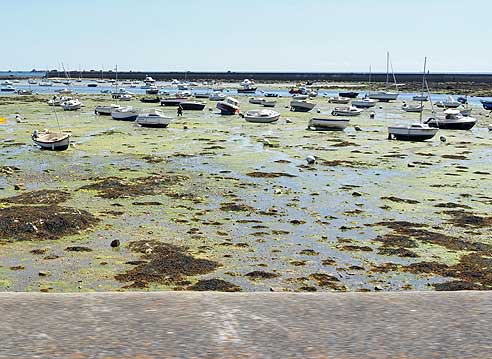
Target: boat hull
(226, 109)
(452, 125)
(299, 106)
(192, 106)
(328, 124)
(172, 102)
(411, 134)
(349, 94)
(383, 97)
(249, 90)
(60, 145)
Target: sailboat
(416, 131)
(386, 96)
(54, 141)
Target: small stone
(357, 128)
(19, 186)
(43, 273)
(115, 243)
(310, 159)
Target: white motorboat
(261, 116)
(256, 100)
(412, 107)
(339, 100)
(32, 82)
(452, 119)
(413, 132)
(346, 111)
(450, 102)
(269, 103)
(57, 101)
(217, 96)
(328, 123)
(364, 102)
(230, 106)
(24, 92)
(71, 105)
(105, 110)
(301, 106)
(7, 88)
(55, 141)
(153, 118)
(185, 93)
(124, 114)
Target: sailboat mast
(422, 91)
(387, 68)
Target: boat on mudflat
(413, 132)
(346, 111)
(147, 99)
(54, 141)
(192, 106)
(261, 116)
(487, 105)
(124, 114)
(172, 101)
(349, 94)
(364, 103)
(452, 120)
(301, 106)
(322, 123)
(105, 110)
(230, 106)
(153, 118)
(339, 100)
(412, 107)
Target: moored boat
(328, 123)
(450, 102)
(349, 94)
(269, 103)
(172, 101)
(413, 132)
(346, 111)
(153, 118)
(364, 102)
(147, 99)
(412, 107)
(124, 114)
(192, 106)
(7, 88)
(452, 120)
(54, 141)
(105, 110)
(262, 116)
(339, 100)
(217, 96)
(230, 106)
(24, 92)
(256, 100)
(71, 105)
(487, 104)
(301, 106)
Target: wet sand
(216, 203)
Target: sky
(246, 35)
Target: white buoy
(310, 159)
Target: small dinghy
(154, 119)
(339, 100)
(261, 116)
(64, 91)
(71, 105)
(271, 94)
(256, 100)
(327, 124)
(155, 99)
(487, 105)
(301, 106)
(412, 107)
(364, 103)
(8, 88)
(201, 95)
(124, 114)
(192, 106)
(267, 103)
(54, 141)
(105, 110)
(230, 106)
(152, 90)
(92, 84)
(413, 132)
(346, 111)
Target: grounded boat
(349, 94)
(155, 99)
(256, 100)
(54, 141)
(105, 110)
(267, 103)
(230, 106)
(217, 96)
(192, 106)
(8, 88)
(57, 101)
(152, 90)
(7, 83)
(412, 107)
(174, 101)
(154, 118)
(328, 123)
(247, 90)
(421, 97)
(64, 91)
(385, 96)
(487, 105)
(24, 92)
(450, 102)
(201, 95)
(124, 114)
(125, 97)
(271, 94)
(32, 82)
(452, 120)
(301, 106)
(346, 111)
(413, 132)
(339, 100)
(364, 103)
(71, 105)
(300, 97)
(261, 116)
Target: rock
(43, 273)
(372, 115)
(115, 243)
(442, 138)
(19, 186)
(357, 128)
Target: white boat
(45, 83)
(55, 141)
(328, 123)
(7, 83)
(269, 103)
(8, 88)
(92, 84)
(185, 93)
(64, 91)
(217, 96)
(364, 102)
(452, 119)
(450, 102)
(339, 100)
(412, 107)
(32, 82)
(261, 116)
(301, 106)
(154, 118)
(57, 101)
(24, 92)
(385, 96)
(149, 80)
(125, 97)
(346, 111)
(256, 100)
(124, 114)
(230, 106)
(71, 105)
(105, 110)
(421, 97)
(300, 97)
(413, 132)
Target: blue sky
(256, 35)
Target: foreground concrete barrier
(249, 325)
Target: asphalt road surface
(249, 325)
